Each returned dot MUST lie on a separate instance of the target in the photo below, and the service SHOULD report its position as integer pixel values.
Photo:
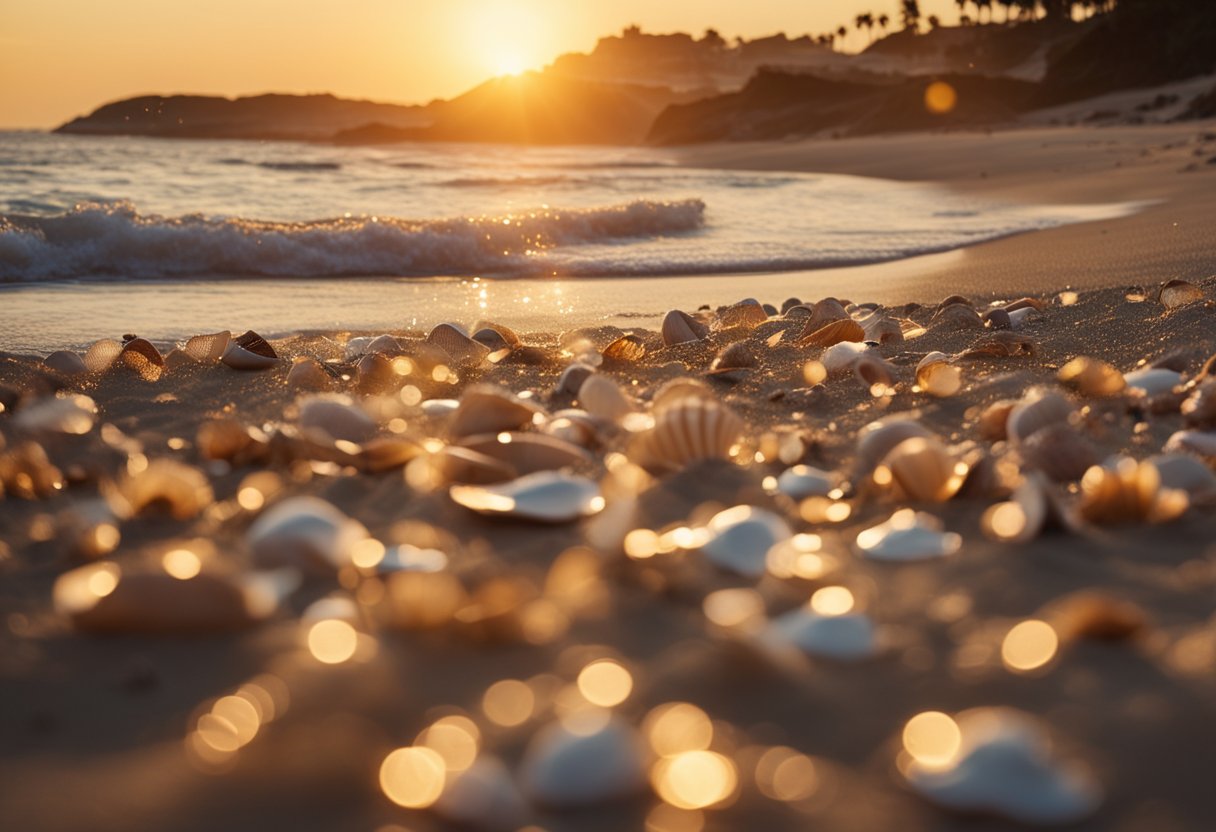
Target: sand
(94, 728)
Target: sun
(510, 63)
(506, 38)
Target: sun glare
(507, 38)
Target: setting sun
(508, 38)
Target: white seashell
(845, 637)
(680, 328)
(409, 558)
(239, 358)
(438, 408)
(1151, 382)
(601, 397)
(572, 379)
(908, 535)
(453, 340)
(936, 376)
(740, 537)
(483, 796)
(357, 346)
(307, 374)
(208, 349)
(183, 488)
(686, 430)
(921, 468)
(1035, 412)
(569, 766)
(544, 496)
(878, 439)
(66, 362)
(839, 359)
(101, 355)
(1194, 442)
(330, 417)
(878, 327)
(305, 533)
(1004, 765)
(1186, 473)
(802, 481)
(72, 414)
(485, 408)
(528, 452)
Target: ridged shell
(628, 349)
(543, 496)
(208, 349)
(507, 335)
(101, 355)
(688, 429)
(1060, 451)
(142, 358)
(921, 469)
(602, 398)
(1035, 412)
(492, 339)
(681, 328)
(485, 408)
(461, 349)
(832, 333)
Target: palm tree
(883, 20)
(980, 5)
(842, 32)
(910, 10)
(934, 21)
(962, 8)
(866, 20)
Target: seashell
(846, 637)
(140, 356)
(993, 418)
(1018, 317)
(483, 796)
(492, 340)
(1004, 764)
(1034, 412)
(1092, 377)
(952, 300)
(1022, 518)
(883, 330)
(840, 359)
(439, 408)
(356, 347)
(737, 356)
(226, 439)
(907, 536)
(101, 355)
(921, 468)
(528, 452)
(956, 316)
(1186, 473)
(628, 349)
(508, 335)
(1025, 303)
(746, 313)
(330, 417)
(602, 398)
(308, 374)
(1060, 451)
(544, 496)
(461, 349)
(832, 333)
(872, 370)
(486, 408)
(26, 472)
(250, 341)
(461, 465)
(1000, 345)
(567, 765)
(572, 379)
(681, 328)
(1199, 410)
(374, 374)
(1093, 614)
(1176, 293)
(1197, 443)
(250, 352)
(687, 430)
(998, 319)
(936, 376)
(304, 533)
(823, 313)
(575, 426)
(383, 345)
(740, 537)
(103, 598)
(679, 388)
(181, 488)
(208, 349)
(789, 303)
(71, 414)
(802, 481)
(877, 439)
(65, 362)
(1127, 491)
(388, 453)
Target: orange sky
(62, 58)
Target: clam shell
(331, 417)
(823, 313)
(485, 408)
(993, 419)
(572, 379)
(746, 313)
(998, 318)
(71, 414)
(453, 340)
(1186, 473)
(183, 489)
(308, 374)
(845, 329)
(1025, 303)
(872, 370)
(239, 358)
(877, 439)
(304, 533)
(1199, 410)
(956, 316)
(908, 536)
(1060, 451)
(208, 349)
(1127, 491)
(528, 452)
(1092, 377)
(602, 398)
(375, 374)
(566, 766)
(1035, 412)
(461, 465)
(1005, 765)
(575, 426)
(1194, 442)
(936, 376)
(735, 357)
(802, 481)
(880, 328)
(847, 637)
(387, 453)
(681, 328)
(740, 537)
(952, 300)
(506, 335)
(921, 468)
(250, 341)
(628, 349)
(1176, 293)
(688, 429)
(840, 359)
(545, 496)
(141, 357)
(101, 355)
(65, 362)
(491, 339)
(789, 303)
(439, 408)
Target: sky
(63, 58)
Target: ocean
(109, 224)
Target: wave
(113, 239)
(287, 166)
(510, 182)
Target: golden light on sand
(412, 777)
(508, 703)
(1029, 645)
(786, 775)
(454, 738)
(932, 738)
(367, 553)
(694, 779)
(104, 580)
(940, 98)
(605, 683)
(332, 641)
(734, 607)
(250, 498)
(181, 564)
(677, 727)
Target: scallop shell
(740, 537)
(908, 536)
(847, 637)
(877, 439)
(1060, 451)
(680, 328)
(101, 355)
(141, 357)
(461, 349)
(845, 329)
(568, 766)
(1092, 377)
(679, 388)
(331, 417)
(183, 489)
(208, 349)
(486, 408)
(1035, 412)
(746, 313)
(936, 376)
(686, 430)
(921, 469)
(1127, 491)
(544, 496)
(1176, 293)
(1005, 765)
(602, 398)
(308, 374)
(71, 414)
(628, 349)
(65, 362)
(528, 452)
(735, 357)
(1199, 410)
(304, 533)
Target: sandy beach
(107, 730)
